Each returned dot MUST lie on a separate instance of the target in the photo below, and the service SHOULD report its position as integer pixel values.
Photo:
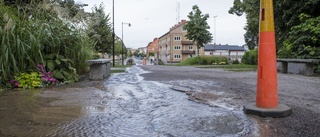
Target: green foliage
(197, 28)
(28, 80)
(100, 29)
(118, 47)
(251, 10)
(235, 62)
(151, 54)
(205, 60)
(286, 16)
(30, 34)
(304, 40)
(250, 57)
(61, 68)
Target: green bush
(205, 60)
(151, 54)
(61, 68)
(27, 80)
(26, 42)
(235, 62)
(250, 57)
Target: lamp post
(113, 62)
(122, 42)
(215, 35)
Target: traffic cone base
(279, 112)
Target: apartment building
(174, 47)
(153, 47)
(232, 52)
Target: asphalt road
(236, 89)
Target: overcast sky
(152, 18)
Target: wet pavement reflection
(126, 105)
(147, 108)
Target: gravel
(235, 89)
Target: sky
(151, 19)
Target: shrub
(250, 57)
(25, 42)
(27, 80)
(61, 68)
(235, 62)
(205, 60)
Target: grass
(118, 71)
(119, 68)
(234, 67)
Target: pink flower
(16, 84)
(40, 66)
(11, 81)
(50, 73)
(53, 80)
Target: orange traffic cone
(267, 83)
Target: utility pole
(113, 61)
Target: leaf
(50, 56)
(58, 61)
(66, 74)
(51, 65)
(312, 52)
(57, 74)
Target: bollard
(267, 83)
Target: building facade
(232, 52)
(153, 47)
(174, 47)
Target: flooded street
(146, 108)
(124, 105)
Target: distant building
(232, 52)
(153, 47)
(174, 47)
(142, 50)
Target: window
(190, 47)
(177, 38)
(177, 47)
(177, 56)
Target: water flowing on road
(137, 107)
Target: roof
(174, 27)
(178, 25)
(164, 35)
(211, 47)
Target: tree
(100, 30)
(251, 8)
(303, 41)
(197, 28)
(286, 16)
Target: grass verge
(234, 67)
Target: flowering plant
(47, 77)
(33, 79)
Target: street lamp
(122, 42)
(215, 35)
(113, 62)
